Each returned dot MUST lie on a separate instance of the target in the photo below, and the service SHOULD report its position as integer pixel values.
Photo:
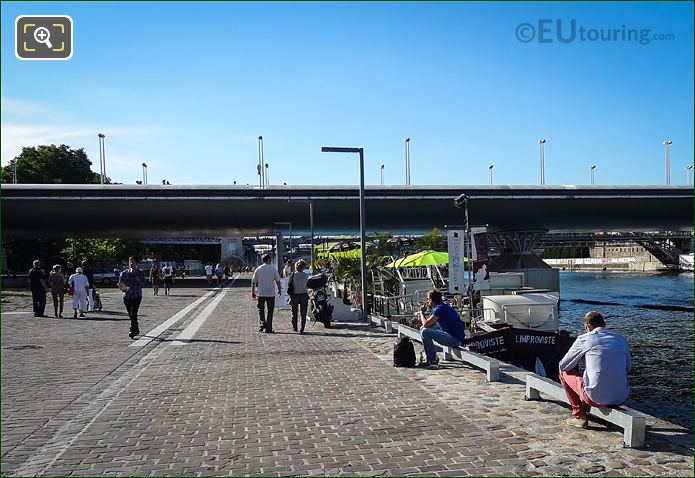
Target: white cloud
(13, 108)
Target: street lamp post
(14, 171)
(591, 173)
(490, 173)
(687, 173)
(267, 175)
(363, 241)
(407, 161)
(668, 144)
(541, 152)
(382, 174)
(102, 156)
(144, 174)
(261, 177)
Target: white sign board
(283, 302)
(455, 244)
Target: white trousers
(79, 300)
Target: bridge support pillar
(280, 252)
(232, 251)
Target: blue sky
(188, 87)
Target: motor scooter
(321, 309)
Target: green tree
(51, 165)
(104, 251)
(434, 241)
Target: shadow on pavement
(191, 341)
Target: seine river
(655, 313)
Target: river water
(661, 339)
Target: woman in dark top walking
(300, 295)
(131, 282)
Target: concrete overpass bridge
(39, 210)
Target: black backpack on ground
(403, 353)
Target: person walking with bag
(263, 283)
(131, 282)
(299, 295)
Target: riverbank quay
(81, 399)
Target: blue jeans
(436, 334)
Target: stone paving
(234, 402)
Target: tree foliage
(435, 241)
(102, 251)
(51, 165)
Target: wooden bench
(490, 365)
(633, 423)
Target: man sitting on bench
(607, 362)
(444, 326)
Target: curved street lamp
(490, 173)
(102, 156)
(144, 174)
(687, 173)
(541, 152)
(261, 177)
(407, 161)
(668, 144)
(591, 173)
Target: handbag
(290, 286)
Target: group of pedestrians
(218, 272)
(265, 284)
(158, 275)
(80, 283)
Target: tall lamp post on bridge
(591, 173)
(541, 152)
(668, 144)
(407, 161)
(382, 174)
(267, 175)
(261, 177)
(363, 241)
(687, 173)
(144, 174)
(489, 168)
(14, 170)
(102, 156)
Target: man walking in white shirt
(263, 283)
(607, 362)
(168, 273)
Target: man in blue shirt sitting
(443, 326)
(607, 362)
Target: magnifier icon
(42, 35)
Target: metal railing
(395, 305)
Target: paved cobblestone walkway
(78, 400)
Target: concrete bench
(633, 423)
(382, 322)
(489, 365)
